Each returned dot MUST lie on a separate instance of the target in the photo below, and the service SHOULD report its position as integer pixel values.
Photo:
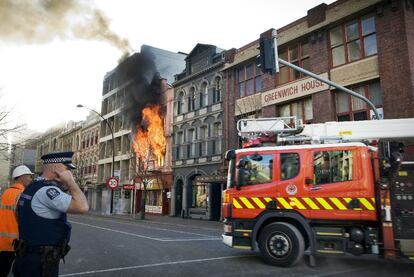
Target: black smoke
(144, 88)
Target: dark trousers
(30, 265)
(6, 260)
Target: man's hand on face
(65, 177)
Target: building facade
(116, 88)
(87, 172)
(48, 142)
(197, 135)
(362, 45)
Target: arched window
(217, 90)
(203, 95)
(191, 99)
(180, 103)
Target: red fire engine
(329, 188)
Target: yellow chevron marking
(330, 251)
(338, 203)
(373, 199)
(324, 203)
(246, 202)
(347, 199)
(310, 203)
(366, 203)
(297, 202)
(258, 202)
(329, 234)
(236, 204)
(268, 199)
(242, 247)
(284, 203)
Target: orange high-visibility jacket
(8, 223)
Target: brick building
(363, 45)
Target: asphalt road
(118, 247)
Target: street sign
(129, 187)
(112, 183)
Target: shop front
(156, 201)
(206, 197)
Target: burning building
(135, 106)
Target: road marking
(154, 222)
(146, 237)
(154, 265)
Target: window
(203, 95)
(255, 169)
(191, 100)
(298, 55)
(289, 165)
(199, 196)
(248, 79)
(191, 145)
(217, 90)
(349, 108)
(353, 41)
(154, 198)
(302, 109)
(180, 103)
(332, 166)
(217, 131)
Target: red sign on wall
(128, 187)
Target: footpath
(164, 219)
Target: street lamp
(113, 148)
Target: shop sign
(294, 90)
(153, 209)
(128, 187)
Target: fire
(151, 140)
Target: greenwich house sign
(294, 90)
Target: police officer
(43, 228)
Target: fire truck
(334, 188)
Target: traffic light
(268, 60)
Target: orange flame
(151, 140)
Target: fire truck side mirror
(242, 173)
(230, 155)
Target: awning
(152, 184)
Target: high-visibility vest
(9, 230)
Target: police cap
(59, 157)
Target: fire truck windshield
(254, 169)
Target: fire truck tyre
(281, 244)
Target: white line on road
(146, 237)
(156, 228)
(154, 265)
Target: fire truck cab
(327, 195)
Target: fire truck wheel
(281, 244)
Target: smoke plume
(41, 21)
(144, 90)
